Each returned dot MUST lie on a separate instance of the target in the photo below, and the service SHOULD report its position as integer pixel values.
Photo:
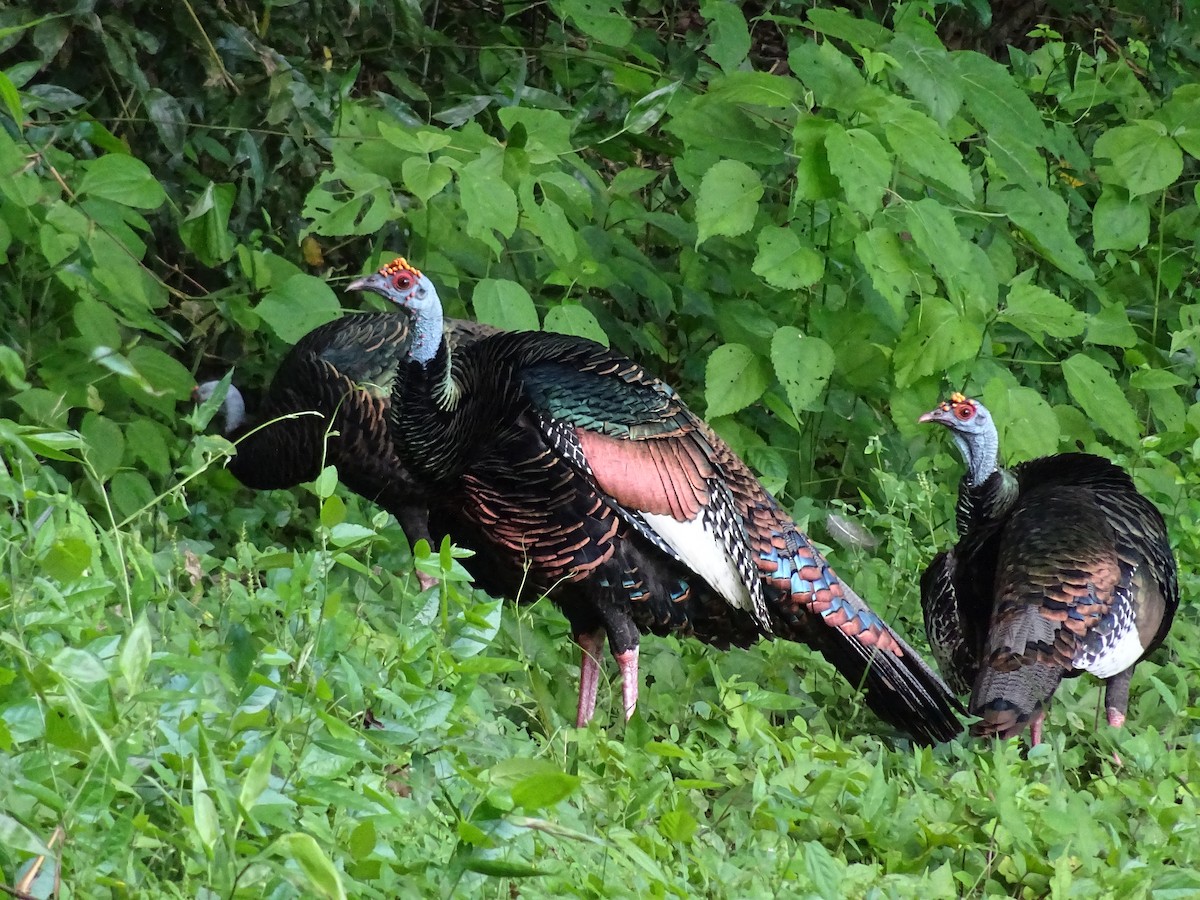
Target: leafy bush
(813, 222)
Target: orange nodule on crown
(956, 397)
(399, 264)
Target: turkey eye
(403, 282)
(964, 412)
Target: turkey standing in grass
(1061, 567)
(598, 486)
(343, 371)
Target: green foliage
(811, 222)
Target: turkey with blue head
(327, 405)
(1061, 567)
(596, 485)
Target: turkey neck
(233, 408)
(441, 412)
(988, 490)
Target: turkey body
(598, 486)
(1061, 567)
(343, 371)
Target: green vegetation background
(812, 220)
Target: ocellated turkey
(1061, 567)
(596, 484)
(343, 371)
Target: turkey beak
(934, 415)
(360, 284)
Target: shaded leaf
(123, 180)
(784, 261)
(1101, 398)
(505, 304)
(1041, 314)
(298, 306)
(734, 378)
(728, 200)
(803, 366)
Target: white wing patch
(1116, 657)
(703, 551)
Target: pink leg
(590, 645)
(628, 661)
(1035, 728)
(426, 581)
(1116, 719)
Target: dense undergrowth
(810, 220)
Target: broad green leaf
(832, 77)
(1028, 426)
(880, 254)
(423, 141)
(1101, 398)
(823, 870)
(12, 101)
(423, 178)
(1142, 159)
(161, 374)
(1111, 327)
(322, 875)
(840, 24)
(105, 444)
(604, 20)
(1013, 124)
(756, 89)
(678, 825)
(326, 482)
(861, 165)
(729, 37)
(135, 654)
(1042, 215)
(78, 666)
(734, 378)
(786, 262)
(123, 180)
(205, 230)
(67, 558)
(743, 137)
(505, 304)
(347, 534)
(96, 323)
(542, 790)
(936, 234)
(930, 74)
(333, 511)
(645, 113)
(1041, 314)
(488, 201)
(547, 132)
(12, 367)
(361, 210)
(258, 776)
(1119, 222)
(803, 366)
(814, 178)
(922, 146)
(935, 338)
(546, 220)
(728, 200)
(1155, 379)
(16, 836)
(571, 318)
(298, 306)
